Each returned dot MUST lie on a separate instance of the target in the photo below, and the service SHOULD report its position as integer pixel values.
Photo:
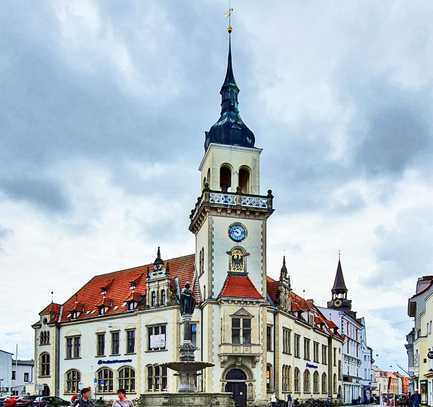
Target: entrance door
(237, 386)
(239, 391)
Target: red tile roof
(52, 310)
(239, 287)
(300, 304)
(118, 289)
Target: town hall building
(120, 328)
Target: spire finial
(228, 14)
(52, 296)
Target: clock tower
(229, 218)
(229, 223)
(339, 292)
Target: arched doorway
(237, 386)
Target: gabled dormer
(158, 283)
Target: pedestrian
(289, 400)
(415, 399)
(122, 401)
(84, 399)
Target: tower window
(225, 178)
(244, 180)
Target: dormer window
(102, 310)
(132, 285)
(75, 314)
(131, 305)
(103, 291)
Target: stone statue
(187, 300)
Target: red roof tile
(239, 287)
(118, 289)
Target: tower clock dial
(237, 232)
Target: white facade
(22, 376)
(5, 372)
(365, 370)
(351, 358)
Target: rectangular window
(115, 343)
(297, 346)
(287, 337)
(236, 331)
(73, 344)
(246, 331)
(241, 331)
(77, 346)
(324, 354)
(335, 356)
(269, 338)
(156, 337)
(14, 375)
(316, 352)
(306, 349)
(26, 377)
(156, 378)
(130, 341)
(100, 344)
(69, 348)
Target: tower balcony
(230, 203)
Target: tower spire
(339, 286)
(230, 129)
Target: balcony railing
(234, 199)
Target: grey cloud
(404, 251)
(42, 193)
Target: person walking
(84, 399)
(122, 401)
(289, 400)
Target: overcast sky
(103, 108)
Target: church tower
(229, 222)
(339, 292)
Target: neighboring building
(22, 375)
(420, 340)
(5, 371)
(387, 382)
(120, 328)
(367, 361)
(356, 385)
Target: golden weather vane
(228, 14)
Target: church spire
(230, 129)
(339, 286)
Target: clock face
(237, 232)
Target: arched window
(307, 384)
(153, 299)
(324, 384)
(244, 180)
(105, 380)
(44, 363)
(297, 380)
(316, 389)
(225, 177)
(127, 379)
(286, 379)
(73, 378)
(162, 297)
(334, 384)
